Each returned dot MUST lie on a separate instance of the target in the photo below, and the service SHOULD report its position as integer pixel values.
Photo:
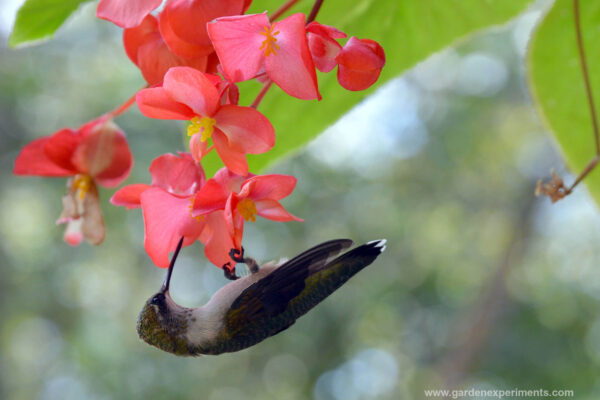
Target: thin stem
(167, 282)
(125, 106)
(588, 88)
(278, 13)
(586, 78)
(314, 11)
(261, 94)
(589, 168)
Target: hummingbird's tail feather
(359, 257)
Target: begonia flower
(183, 24)
(247, 45)
(166, 204)
(126, 13)
(359, 63)
(257, 195)
(146, 48)
(188, 94)
(96, 153)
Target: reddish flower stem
(314, 11)
(286, 6)
(261, 94)
(125, 106)
(588, 88)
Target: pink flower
(188, 94)
(146, 48)
(166, 204)
(360, 61)
(249, 45)
(97, 152)
(126, 13)
(244, 200)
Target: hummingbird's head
(162, 322)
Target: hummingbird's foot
(229, 272)
(238, 256)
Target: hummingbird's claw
(229, 272)
(237, 255)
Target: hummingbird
(252, 308)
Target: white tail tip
(379, 243)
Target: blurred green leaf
(557, 81)
(408, 30)
(39, 19)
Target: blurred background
(482, 284)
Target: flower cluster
(192, 54)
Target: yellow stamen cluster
(82, 184)
(204, 125)
(247, 209)
(269, 43)
(198, 218)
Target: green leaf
(39, 19)
(557, 81)
(408, 30)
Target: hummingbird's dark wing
(277, 300)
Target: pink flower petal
(323, 51)
(177, 44)
(73, 235)
(129, 196)
(234, 221)
(362, 55)
(156, 103)
(355, 80)
(247, 130)
(185, 22)
(219, 242)
(166, 219)
(292, 67)
(231, 181)
(237, 41)
(211, 197)
(360, 63)
(103, 153)
(61, 146)
(274, 187)
(32, 160)
(180, 176)
(133, 38)
(198, 148)
(120, 164)
(146, 48)
(233, 159)
(273, 210)
(155, 59)
(325, 30)
(192, 88)
(126, 13)
(323, 46)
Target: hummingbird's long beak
(165, 285)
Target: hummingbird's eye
(159, 298)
